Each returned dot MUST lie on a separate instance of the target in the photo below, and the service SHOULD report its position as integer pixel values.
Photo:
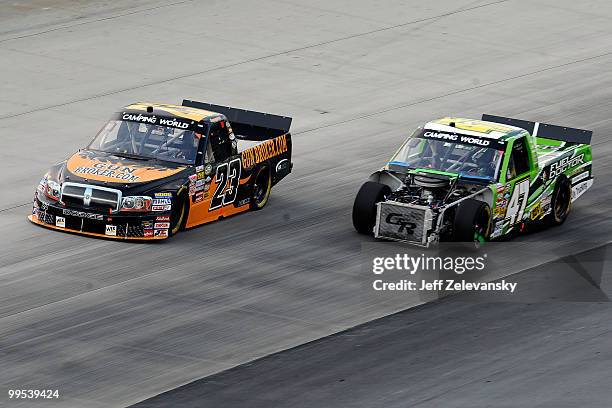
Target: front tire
(178, 216)
(472, 222)
(364, 208)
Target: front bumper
(408, 223)
(150, 226)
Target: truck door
(227, 170)
(517, 175)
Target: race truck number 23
(227, 179)
(518, 201)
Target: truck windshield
(147, 141)
(453, 156)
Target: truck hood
(108, 168)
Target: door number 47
(518, 202)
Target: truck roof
(474, 127)
(177, 111)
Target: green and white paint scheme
(517, 194)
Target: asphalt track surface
(441, 354)
(111, 324)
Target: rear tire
(261, 188)
(472, 222)
(561, 202)
(364, 208)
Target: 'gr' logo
(405, 224)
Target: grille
(132, 231)
(403, 222)
(91, 197)
(135, 230)
(46, 217)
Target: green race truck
(463, 180)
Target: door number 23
(227, 179)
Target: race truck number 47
(470, 180)
(155, 169)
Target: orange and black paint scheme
(236, 158)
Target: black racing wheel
(178, 216)
(472, 221)
(261, 188)
(561, 202)
(364, 208)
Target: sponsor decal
(580, 188)
(282, 165)
(208, 169)
(160, 233)
(166, 207)
(173, 123)
(464, 139)
(147, 224)
(405, 224)
(500, 209)
(119, 173)
(161, 218)
(162, 201)
(110, 230)
(264, 151)
(431, 134)
(60, 222)
(154, 120)
(501, 200)
(545, 202)
(536, 212)
(148, 233)
(81, 214)
(163, 195)
(139, 118)
(192, 183)
(498, 229)
(557, 168)
(244, 201)
(93, 166)
(199, 196)
(162, 225)
(580, 177)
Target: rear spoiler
(544, 130)
(252, 125)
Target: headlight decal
(49, 188)
(136, 203)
